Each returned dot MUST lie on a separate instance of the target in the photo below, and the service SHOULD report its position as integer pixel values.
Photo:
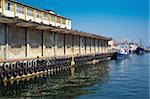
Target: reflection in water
(66, 84)
(72, 72)
(122, 65)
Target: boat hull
(121, 56)
(140, 50)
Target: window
(30, 12)
(68, 23)
(52, 18)
(38, 14)
(0, 3)
(63, 21)
(45, 16)
(20, 9)
(9, 6)
(58, 20)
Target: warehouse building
(28, 32)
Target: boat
(122, 54)
(123, 51)
(140, 50)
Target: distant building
(112, 44)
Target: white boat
(122, 52)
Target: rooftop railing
(11, 8)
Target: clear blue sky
(119, 19)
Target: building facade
(27, 32)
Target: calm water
(122, 79)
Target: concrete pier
(18, 69)
(35, 41)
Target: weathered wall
(92, 45)
(100, 46)
(96, 46)
(103, 47)
(59, 44)
(48, 44)
(24, 42)
(101, 42)
(88, 45)
(2, 42)
(82, 45)
(68, 44)
(76, 44)
(16, 41)
(106, 46)
(35, 43)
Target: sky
(119, 19)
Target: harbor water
(113, 79)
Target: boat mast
(141, 45)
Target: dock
(35, 41)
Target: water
(121, 79)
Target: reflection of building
(28, 32)
(54, 86)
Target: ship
(140, 49)
(122, 51)
(122, 54)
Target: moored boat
(122, 54)
(123, 51)
(140, 50)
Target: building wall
(35, 43)
(59, 48)
(48, 44)
(106, 46)
(100, 46)
(12, 12)
(112, 45)
(2, 42)
(82, 45)
(96, 46)
(88, 45)
(101, 42)
(68, 44)
(76, 45)
(92, 45)
(16, 42)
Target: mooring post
(94, 61)
(72, 66)
(73, 61)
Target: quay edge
(34, 41)
(14, 70)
